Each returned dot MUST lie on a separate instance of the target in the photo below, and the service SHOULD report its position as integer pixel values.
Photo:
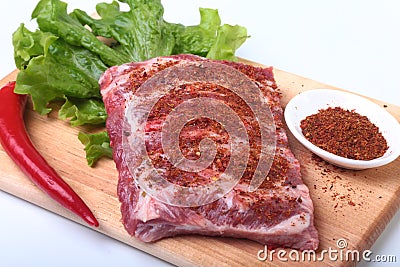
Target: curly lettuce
(97, 145)
(51, 69)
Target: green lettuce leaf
(229, 39)
(141, 32)
(83, 111)
(60, 70)
(97, 145)
(28, 45)
(51, 16)
(197, 39)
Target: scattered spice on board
(337, 183)
(344, 133)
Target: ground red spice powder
(344, 133)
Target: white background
(350, 44)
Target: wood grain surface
(351, 205)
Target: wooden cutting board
(351, 205)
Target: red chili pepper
(17, 144)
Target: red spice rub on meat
(279, 213)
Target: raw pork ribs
(279, 213)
